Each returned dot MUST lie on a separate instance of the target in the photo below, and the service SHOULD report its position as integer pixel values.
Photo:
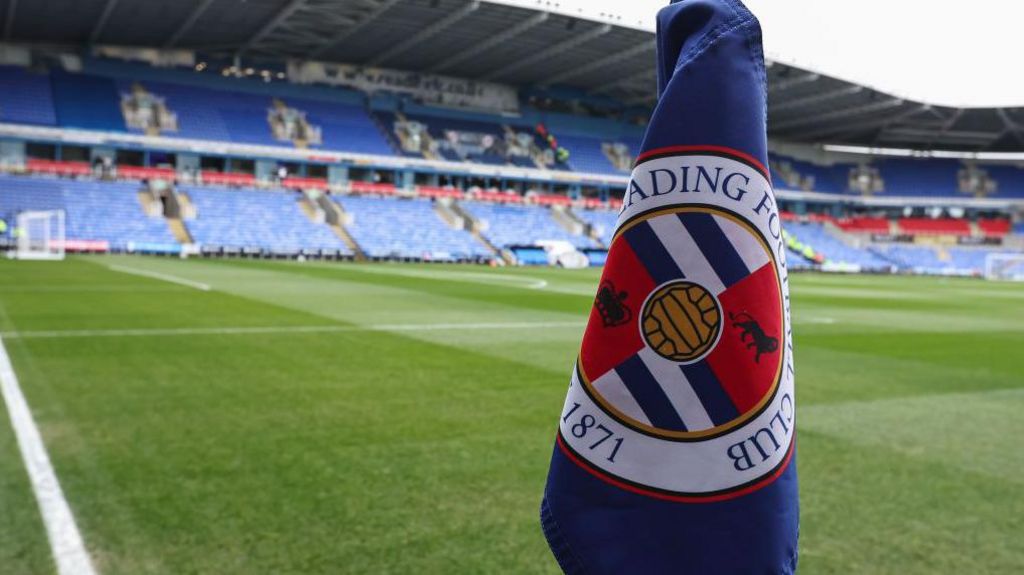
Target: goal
(40, 235)
(1009, 267)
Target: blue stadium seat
(407, 228)
(249, 218)
(521, 225)
(26, 97)
(834, 250)
(103, 211)
(603, 221)
(87, 102)
(920, 177)
(586, 154)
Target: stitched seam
(557, 540)
(711, 39)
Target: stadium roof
(498, 42)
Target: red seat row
(227, 179)
(65, 168)
(58, 167)
(499, 197)
(145, 173)
(994, 227)
(305, 183)
(373, 188)
(436, 192)
(552, 200)
(938, 226)
(864, 225)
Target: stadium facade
(445, 130)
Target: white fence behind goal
(1009, 267)
(40, 235)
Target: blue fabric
(711, 93)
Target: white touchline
(65, 540)
(524, 282)
(160, 276)
(288, 329)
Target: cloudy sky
(936, 51)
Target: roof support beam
(600, 63)
(12, 8)
(551, 50)
(97, 30)
(842, 113)
(947, 125)
(272, 25)
(860, 126)
(193, 17)
(426, 33)
(814, 99)
(787, 83)
(493, 41)
(1011, 126)
(380, 8)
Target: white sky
(933, 51)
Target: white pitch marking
(684, 251)
(825, 320)
(612, 388)
(258, 330)
(675, 385)
(65, 540)
(525, 282)
(747, 246)
(160, 276)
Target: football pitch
(281, 417)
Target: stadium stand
(245, 219)
(95, 211)
(832, 248)
(916, 177)
(345, 127)
(507, 225)
(26, 97)
(587, 155)
(602, 222)
(397, 220)
(407, 228)
(87, 102)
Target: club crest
(704, 373)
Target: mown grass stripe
(261, 330)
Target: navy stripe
(716, 247)
(652, 253)
(648, 393)
(712, 396)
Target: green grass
(375, 448)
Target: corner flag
(675, 447)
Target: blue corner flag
(675, 447)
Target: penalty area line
(65, 540)
(159, 276)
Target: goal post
(40, 235)
(1004, 266)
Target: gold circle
(681, 321)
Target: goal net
(1009, 267)
(40, 235)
